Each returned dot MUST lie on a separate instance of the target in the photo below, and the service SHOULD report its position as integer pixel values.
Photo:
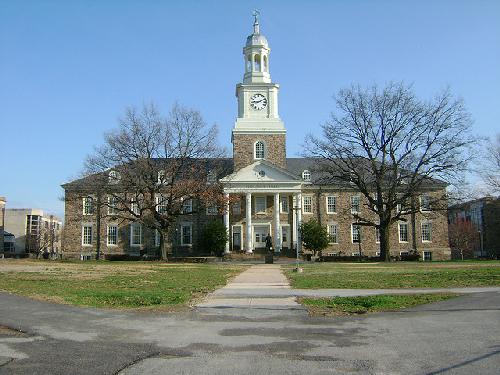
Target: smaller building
(484, 215)
(35, 232)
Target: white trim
(422, 231)
(359, 204)
(334, 203)
(264, 151)
(255, 204)
(84, 211)
(423, 255)
(132, 226)
(190, 225)
(306, 175)
(399, 232)
(107, 235)
(336, 234)
(352, 232)
(91, 234)
(303, 204)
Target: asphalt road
(458, 336)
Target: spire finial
(256, 15)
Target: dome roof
(256, 40)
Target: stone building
(2, 220)
(271, 194)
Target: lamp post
(299, 239)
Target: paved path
(265, 281)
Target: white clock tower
(259, 133)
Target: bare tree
(464, 238)
(152, 169)
(490, 168)
(391, 146)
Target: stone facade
(243, 149)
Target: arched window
(264, 58)
(306, 175)
(113, 177)
(256, 63)
(248, 63)
(162, 177)
(259, 150)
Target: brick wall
(243, 149)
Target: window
(88, 206)
(112, 235)
(355, 200)
(161, 204)
(211, 177)
(186, 234)
(426, 227)
(356, 233)
(333, 233)
(377, 234)
(403, 232)
(256, 63)
(264, 58)
(87, 235)
(306, 175)
(187, 206)
(157, 238)
(355, 254)
(331, 204)
(427, 256)
(237, 208)
(284, 233)
(112, 205)
(162, 177)
(284, 204)
(113, 177)
(260, 205)
(425, 204)
(259, 150)
(212, 210)
(135, 234)
(134, 207)
(307, 204)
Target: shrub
(214, 237)
(314, 236)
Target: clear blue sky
(69, 68)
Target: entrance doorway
(260, 233)
(236, 237)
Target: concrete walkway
(257, 288)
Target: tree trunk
(98, 225)
(385, 254)
(163, 247)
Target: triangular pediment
(261, 171)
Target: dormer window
(211, 177)
(162, 176)
(259, 150)
(113, 177)
(306, 175)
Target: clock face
(258, 101)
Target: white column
(277, 234)
(294, 221)
(248, 210)
(226, 220)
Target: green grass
(395, 275)
(116, 284)
(367, 304)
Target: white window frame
(423, 255)
(307, 208)
(429, 223)
(400, 232)
(288, 232)
(425, 208)
(358, 198)
(283, 209)
(306, 175)
(377, 235)
(187, 206)
(133, 227)
(88, 208)
(108, 231)
(114, 177)
(161, 204)
(355, 254)
(260, 197)
(236, 209)
(327, 199)
(88, 235)
(212, 209)
(162, 177)
(352, 232)
(112, 205)
(263, 151)
(328, 229)
(190, 226)
(134, 207)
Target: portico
(268, 195)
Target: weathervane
(256, 14)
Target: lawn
(395, 275)
(114, 284)
(362, 305)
